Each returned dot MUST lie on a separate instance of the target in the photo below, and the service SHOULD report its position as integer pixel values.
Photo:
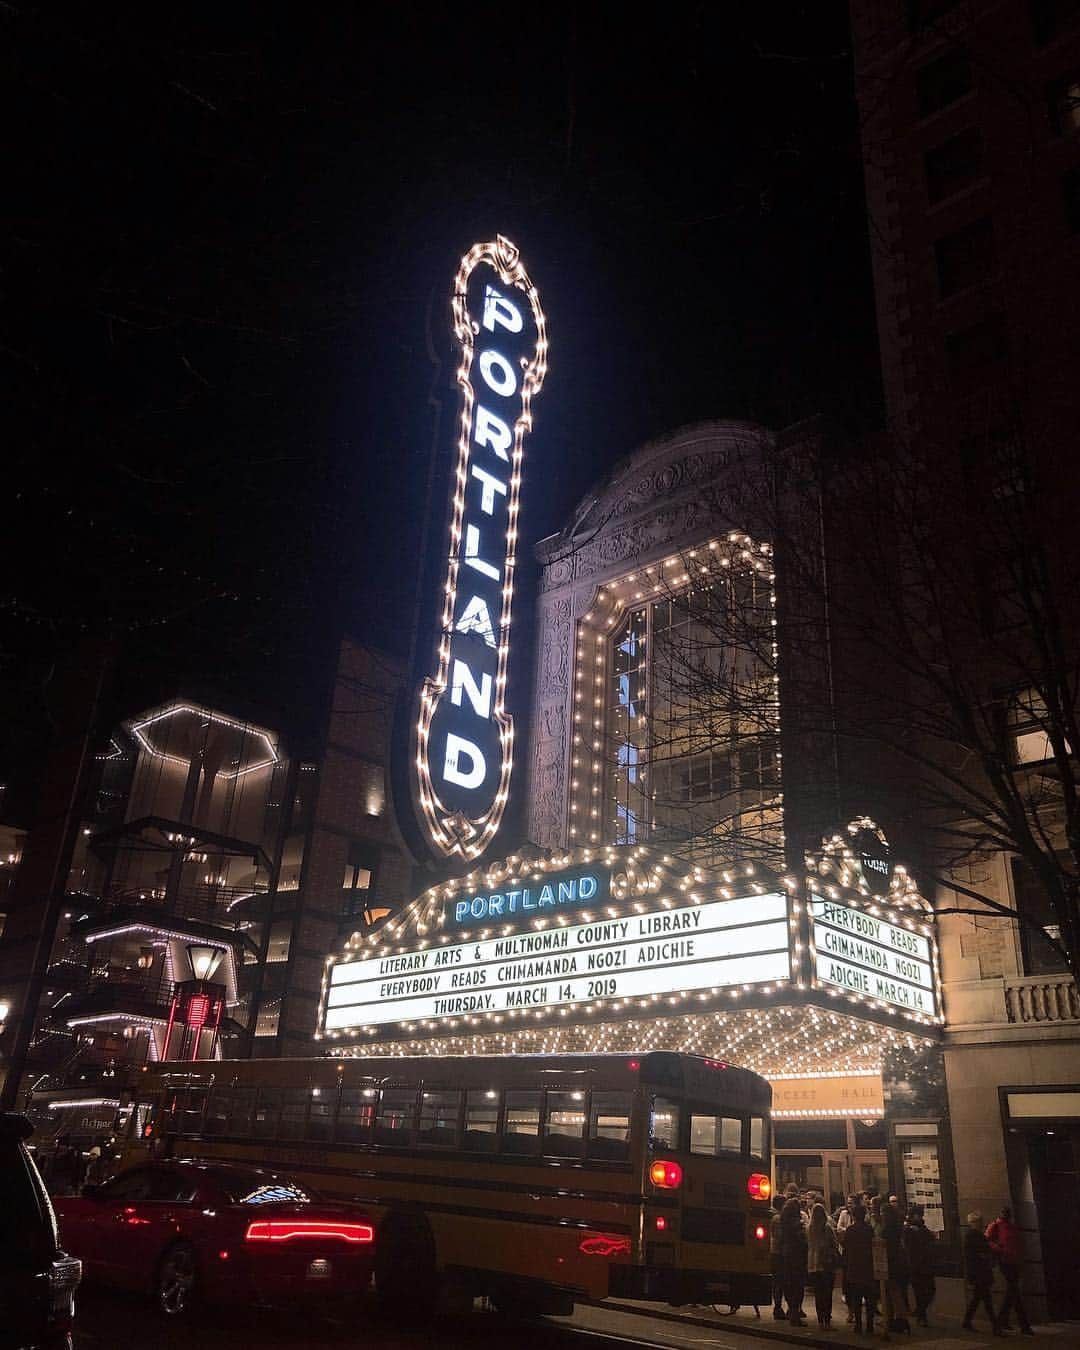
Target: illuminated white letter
(498, 373)
(475, 618)
(497, 309)
(456, 747)
(492, 431)
(491, 485)
(472, 554)
(479, 695)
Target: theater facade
(669, 897)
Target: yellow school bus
(533, 1180)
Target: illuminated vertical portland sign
(464, 740)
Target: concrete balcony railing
(1042, 998)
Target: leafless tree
(925, 662)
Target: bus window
(564, 1125)
(439, 1117)
(609, 1127)
(521, 1133)
(664, 1124)
(190, 1116)
(217, 1113)
(267, 1111)
(293, 1113)
(481, 1120)
(240, 1111)
(356, 1115)
(757, 1136)
(396, 1118)
(320, 1113)
(715, 1134)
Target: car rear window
(260, 1188)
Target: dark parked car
(184, 1229)
(37, 1280)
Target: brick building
(970, 115)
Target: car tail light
(758, 1186)
(761, 1232)
(286, 1230)
(666, 1175)
(661, 1223)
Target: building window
(1039, 955)
(970, 351)
(964, 258)
(266, 1024)
(1050, 18)
(1070, 191)
(356, 885)
(953, 164)
(942, 82)
(1030, 725)
(1063, 103)
(280, 940)
(692, 724)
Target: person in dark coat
(779, 1315)
(1007, 1243)
(890, 1228)
(979, 1273)
(66, 1168)
(858, 1250)
(793, 1256)
(920, 1248)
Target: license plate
(319, 1269)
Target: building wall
(975, 234)
(352, 824)
(655, 502)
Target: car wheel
(176, 1280)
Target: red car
(183, 1229)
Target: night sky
(228, 242)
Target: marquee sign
(464, 735)
(556, 891)
(870, 956)
(721, 943)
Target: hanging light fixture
(204, 959)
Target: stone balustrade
(1042, 998)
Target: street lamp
(204, 960)
(197, 1008)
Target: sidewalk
(943, 1333)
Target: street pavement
(107, 1321)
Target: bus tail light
(661, 1223)
(285, 1230)
(761, 1232)
(666, 1175)
(758, 1186)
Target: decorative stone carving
(548, 799)
(555, 662)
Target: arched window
(692, 720)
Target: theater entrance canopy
(625, 949)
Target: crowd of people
(886, 1257)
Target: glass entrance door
(828, 1173)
